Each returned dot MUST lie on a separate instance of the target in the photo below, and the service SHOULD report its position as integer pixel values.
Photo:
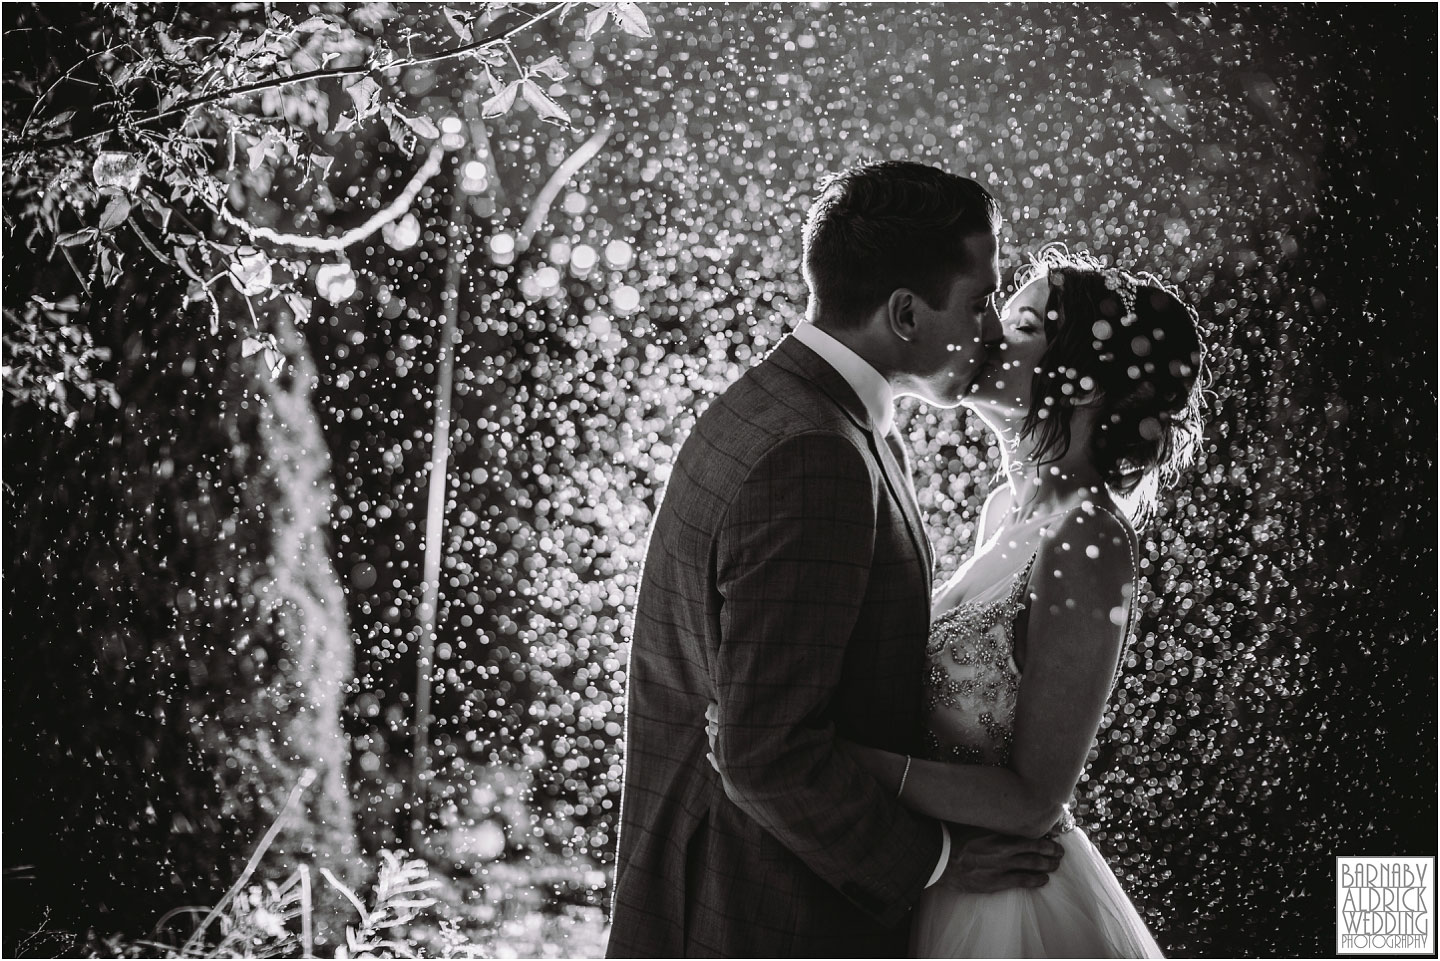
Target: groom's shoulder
(775, 399)
(770, 403)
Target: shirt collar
(873, 390)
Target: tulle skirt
(1080, 913)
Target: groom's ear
(900, 313)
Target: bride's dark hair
(1129, 344)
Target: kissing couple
(825, 757)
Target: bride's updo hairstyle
(1128, 344)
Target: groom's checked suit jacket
(787, 579)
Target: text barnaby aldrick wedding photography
(1384, 905)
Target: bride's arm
(994, 798)
(1080, 596)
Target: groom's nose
(992, 334)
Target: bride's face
(1004, 386)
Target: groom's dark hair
(877, 227)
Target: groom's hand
(982, 862)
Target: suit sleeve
(793, 561)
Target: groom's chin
(929, 397)
(942, 401)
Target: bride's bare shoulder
(1096, 530)
(1111, 519)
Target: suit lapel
(900, 489)
(794, 355)
(799, 359)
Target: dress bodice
(972, 679)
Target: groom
(788, 579)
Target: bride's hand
(712, 732)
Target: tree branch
(277, 82)
(540, 210)
(390, 213)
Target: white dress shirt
(878, 397)
(873, 390)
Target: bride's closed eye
(1024, 320)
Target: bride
(1095, 400)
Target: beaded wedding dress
(1082, 912)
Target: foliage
(400, 918)
(131, 127)
(399, 896)
(166, 561)
(277, 919)
(166, 567)
(50, 355)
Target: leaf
(66, 305)
(251, 273)
(60, 118)
(258, 151)
(275, 361)
(460, 23)
(548, 109)
(114, 214)
(157, 211)
(299, 306)
(632, 20)
(595, 20)
(423, 126)
(344, 123)
(169, 47)
(250, 347)
(311, 25)
(551, 67)
(366, 94)
(400, 134)
(111, 262)
(502, 102)
(78, 237)
(381, 56)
